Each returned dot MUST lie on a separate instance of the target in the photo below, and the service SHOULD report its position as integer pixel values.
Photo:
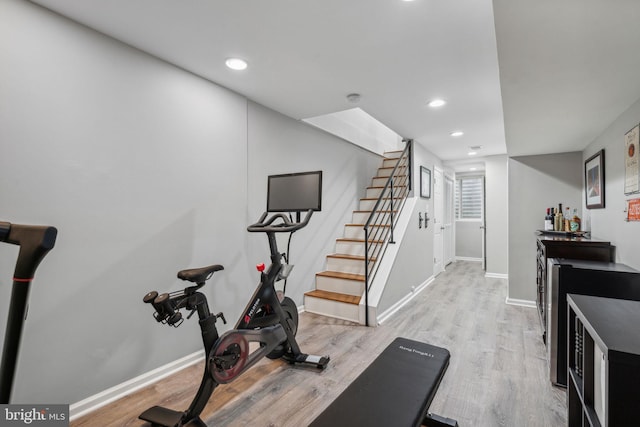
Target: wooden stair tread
(334, 296)
(341, 275)
(346, 239)
(385, 211)
(350, 257)
(373, 225)
(382, 186)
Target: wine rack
(604, 362)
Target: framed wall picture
(425, 182)
(633, 210)
(594, 180)
(631, 167)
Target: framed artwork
(594, 180)
(633, 210)
(425, 182)
(631, 167)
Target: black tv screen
(294, 192)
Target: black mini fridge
(596, 278)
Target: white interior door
(483, 225)
(447, 236)
(438, 222)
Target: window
(468, 198)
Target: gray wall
(609, 223)
(536, 183)
(145, 169)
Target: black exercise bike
(270, 319)
(35, 242)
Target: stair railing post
(366, 276)
(391, 212)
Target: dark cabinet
(552, 246)
(604, 362)
(595, 278)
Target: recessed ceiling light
(353, 98)
(236, 64)
(437, 103)
(473, 169)
(457, 133)
(472, 153)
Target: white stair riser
(389, 163)
(379, 181)
(385, 204)
(354, 232)
(367, 204)
(398, 182)
(343, 265)
(357, 232)
(350, 248)
(342, 286)
(387, 171)
(360, 217)
(374, 192)
(330, 308)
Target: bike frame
(263, 320)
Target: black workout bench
(395, 390)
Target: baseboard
(521, 302)
(114, 393)
(496, 275)
(397, 306)
(466, 258)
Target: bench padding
(395, 390)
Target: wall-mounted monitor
(294, 192)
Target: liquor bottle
(548, 222)
(575, 221)
(567, 219)
(558, 220)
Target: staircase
(342, 286)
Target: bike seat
(199, 275)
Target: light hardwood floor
(497, 376)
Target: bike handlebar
(35, 242)
(265, 225)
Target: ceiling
(520, 77)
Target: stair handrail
(379, 237)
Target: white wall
(536, 183)
(145, 169)
(497, 216)
(609, 223)
(468, 239)
(358, 127)
(414, 263)
(278, 144)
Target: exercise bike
(269, 320)
(35, 242)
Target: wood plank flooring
(498, 373)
